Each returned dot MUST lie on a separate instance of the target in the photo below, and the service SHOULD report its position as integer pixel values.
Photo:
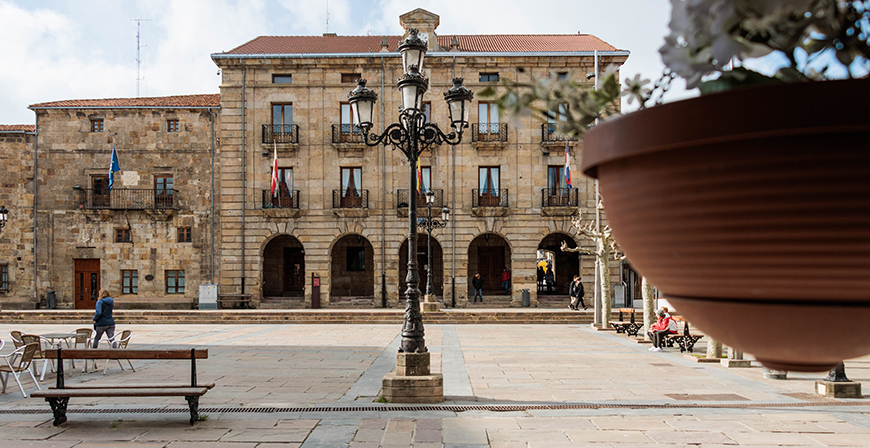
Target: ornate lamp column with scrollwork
(412, 135)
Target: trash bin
(526, 298)
(50, 300)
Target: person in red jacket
(506, 281)
(664, 325)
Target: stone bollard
(735, 359)
(775, 374)
(838, 386)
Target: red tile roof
(180, 101)
(470, 43)
(17, 128)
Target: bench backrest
(629, 311)
(107, 353)
(685, 324)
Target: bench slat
(127, 353)
(144, 392)
(130, 386)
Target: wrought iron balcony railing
(489, 198)
(343, 133)
(492, 132)
(559, 197)
(402, 199)
(282, 200)
(127, 199)
(280, 133)
(548, 134)
(350, 198)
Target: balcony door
(349, 129)
(557, 187)
(351, 187)
(487, 120)
(488, 182)
(87, 283)
(163, 191)
(102, 197)
(282, 122)
(283, 198)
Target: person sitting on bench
(664, 325)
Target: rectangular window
(282, 120)
(487, 118)
(283, 197)
(427, 111)
(122, 236)
(425, 178)
(351, 187)
(163, 191)
(171, 125)
(185, 234)
(556, 181)
(174, 282)
(350, 77)
(4, 277)
(356, 259)
(100, 185)
(97, 125)
(488, 77)
(129, 282)
(488, 183)
(557, 115)
(282, 79)
(348, 126)
(562, 75)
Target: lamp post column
(413, 340)
(429, 288)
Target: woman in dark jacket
(103, 321)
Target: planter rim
(765, 111)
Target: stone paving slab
(302, 366)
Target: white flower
(634, 89)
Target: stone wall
(16, 238)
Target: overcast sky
(57, 50)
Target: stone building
(191, 203)
(341, 216)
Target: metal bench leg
(690, 342)
(58, 407)
(193, 402)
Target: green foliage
(381, 399)
(203, 417)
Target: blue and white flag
(567, 166)
(113, 168)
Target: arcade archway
(283, 267)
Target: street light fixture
(428, 224)
(4, 215)
(412, 135)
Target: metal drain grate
(449, 408)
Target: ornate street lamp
(428, 223)
(412, 135)
(4, 215)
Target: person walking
(506, 281)
(477, 284)
(576, 292)
(550, 279)
(664, 325)
(103, 320)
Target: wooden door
(87, 283)
(294, 271)
(490, 262)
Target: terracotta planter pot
(750, 211)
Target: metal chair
(121, 343)
(83, 339)
(16, 362)
(42, 345)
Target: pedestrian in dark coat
(576, 292)
(477, 284)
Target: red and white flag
(567, 166)
(274, 190)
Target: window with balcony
(172, 126)
(488, 129)
(557, 193)
(122, 235)
(4, 277)
(488, 193)
(174, 282)
(185, 234)
(282, 79)
(163, 191)
(348, 130)
(284, 196)
(351, 187)
(97, 125)
(281, 130)
(129, 282)
(488, 77)
(100, 188)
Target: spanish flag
(419, 177)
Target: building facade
(334, 233)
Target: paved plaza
(505, 386)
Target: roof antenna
(327, 16)
(138, 59)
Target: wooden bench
(59, 395)
(629, 327)
(683, 338)
(234, 301)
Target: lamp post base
(412, 382)
(839, 389)
(430, 303)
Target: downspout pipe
(244, 169)
(384, 199)
(211, 229)
(35, 201)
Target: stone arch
(437, 263)
(352, 272)
(488, 253)
(565, 264)
(283, 269)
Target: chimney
(425, 22)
